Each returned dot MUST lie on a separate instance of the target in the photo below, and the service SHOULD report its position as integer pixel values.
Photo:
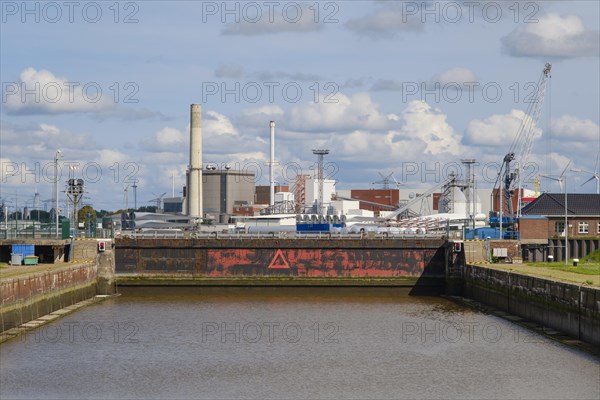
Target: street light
(57, 156)
(563, 179)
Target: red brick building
(583, 216)
(376, 200)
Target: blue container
(313, 228)
(24, 249)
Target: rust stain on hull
(318, 262)
(314, 259)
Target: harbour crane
(509, 177)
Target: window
(598, 231)
(559, 228)
(583, 227)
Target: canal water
(262, 343)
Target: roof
(553, 204)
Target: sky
(408, 88)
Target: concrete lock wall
(28, 297)
(84, 250)
(569, 308)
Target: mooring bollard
(575, 261)
(550, 258)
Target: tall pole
(271, 169)
(501, 210)
(134, 186)
(56, 157)
(566, 226)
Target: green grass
(592, 257)
(588, 268)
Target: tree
(151, 209)
(102, 213)
(82, 214)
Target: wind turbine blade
(565, 170)
(592, 178)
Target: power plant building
(224, 189)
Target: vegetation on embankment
(587, 271)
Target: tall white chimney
(271, 165)
(194, 204)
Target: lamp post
(563, 179)
(57, 156)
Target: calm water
(256, 343)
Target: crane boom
(520, 150)
(405, 207)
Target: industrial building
(263, 193)
(224, 189)
(307, 192)
(375, 200)
(173, 205)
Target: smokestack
(271, 172)
(194, 203)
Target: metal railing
(48, 231)
(273, 235)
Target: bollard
(550, 258)
(575, 261)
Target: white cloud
(419, 130)
(385, 23)
(355, 112)
(457, 75)
(109, 157)
(43, 92)
(47, 130)
(419, 121)
(453, 78)
(553, 36)
(497, 130)
(263, 110)
(215, 124)
(41, 141)
(571, 128)
(166, 140)
(218, 133)
(290, 18)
